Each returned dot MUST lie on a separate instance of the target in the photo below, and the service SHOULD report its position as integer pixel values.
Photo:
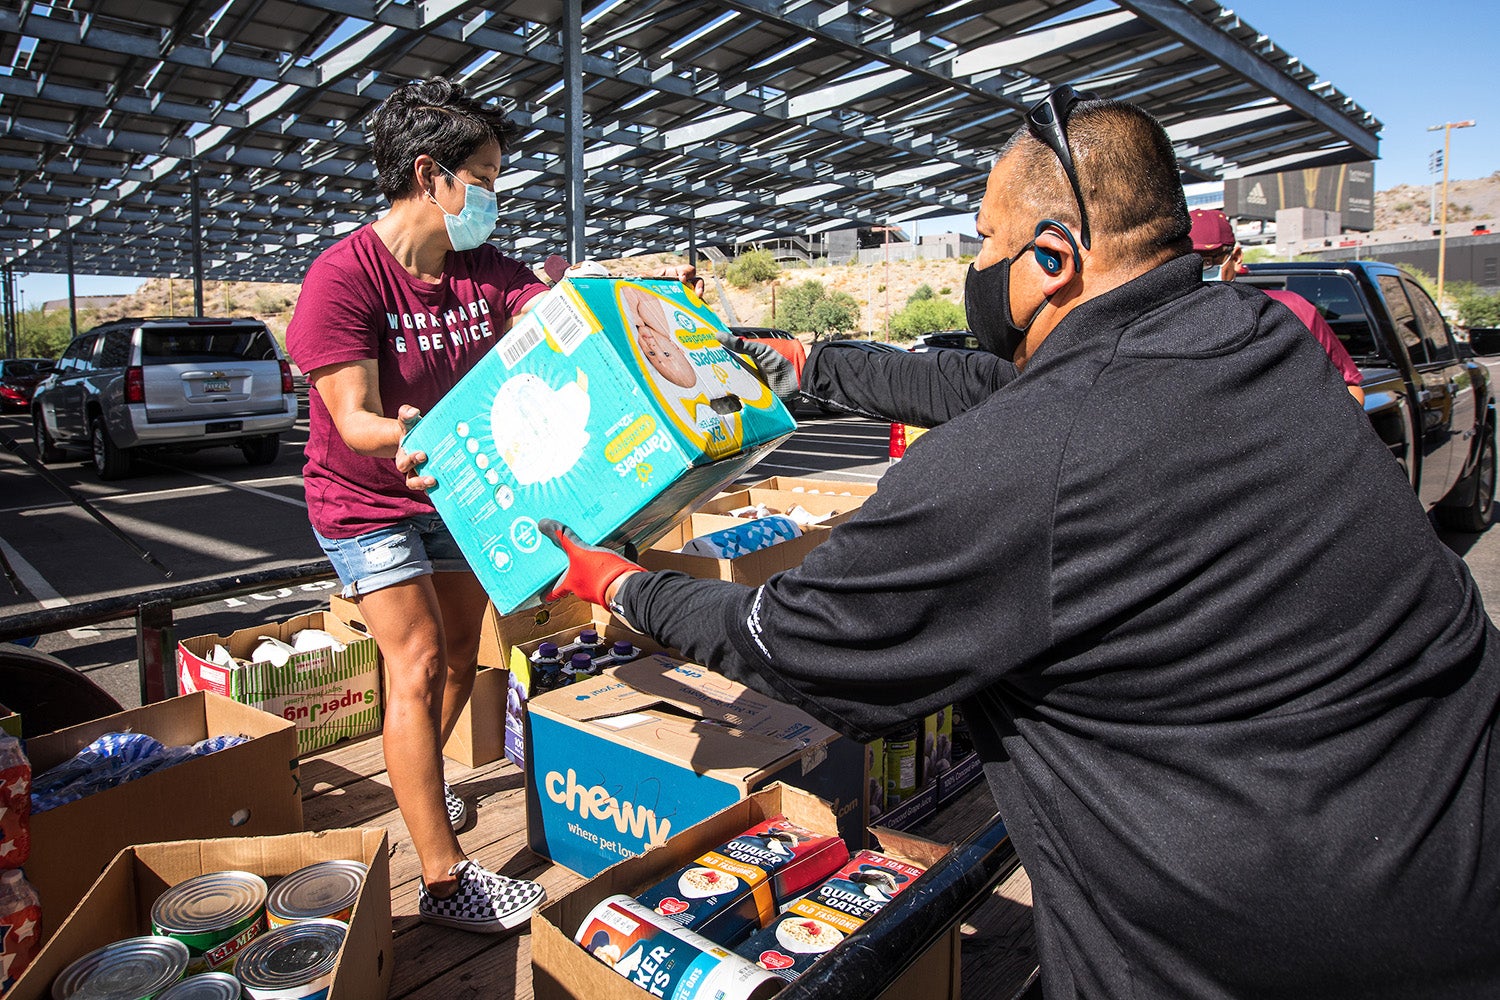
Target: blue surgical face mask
(1213, 272)
(475, 221)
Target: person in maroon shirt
(1214, 241)
(389, 319)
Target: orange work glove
(591, 568)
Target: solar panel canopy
(646, 125)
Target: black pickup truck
(1430, 401)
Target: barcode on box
(515, 345)
(562, 319)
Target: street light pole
(887, 230)
(1447, 128)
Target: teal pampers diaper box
(610, 407)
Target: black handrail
(870, 961)
(127, 606)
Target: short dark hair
(432, 117)
(1129, 176)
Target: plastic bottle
(20, 926)
(590, 643)
(579, 667)
(15, 803)
(546, 668)
(622, 652)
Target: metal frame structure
(222, 139)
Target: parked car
(783, 342)
(170, 383)
(958, 340)
(1432, 404)
(19, 378)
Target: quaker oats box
(610, 407)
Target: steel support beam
(572, 39)
(195, 237)
(72, 291)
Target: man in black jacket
(1234, 698)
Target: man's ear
(1057, 254)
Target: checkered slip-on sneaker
(458, 812)
(485, 902)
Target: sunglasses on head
(1048, 121)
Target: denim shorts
(416, 546)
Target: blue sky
(1411, 64)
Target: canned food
(208, 986)
(134, 969)
(215, 915)
(326, 889)
(295, 962)
(901, 766)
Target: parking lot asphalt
(208, 515)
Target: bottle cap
(623, 648)
(589, 637)
(581, 661)
(547, 649)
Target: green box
(610, 407)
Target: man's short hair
(433, 117)
(1128, 174)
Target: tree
(46, 335)
(1475, 307)
(921, 292)
(750, 267)
(926, 316)
(809, 307)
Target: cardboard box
(561, 970)
(610, 407)
(10, 722)
(252, 789)
(652, 747)
(833, 487)
(119, 904)
(569, 622)
(840, 509)
(966, 772)
(331, 696)
(753, 568)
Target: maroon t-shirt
(358, 303)
(1318, 326)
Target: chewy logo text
(595, 802)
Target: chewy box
(619, 764)
(609, 407)
(119, 903)
(330, 696)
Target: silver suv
(180, 383)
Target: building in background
(1345, 188)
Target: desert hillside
(872, 286)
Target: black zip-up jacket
(1235, 699)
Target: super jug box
(610, 407)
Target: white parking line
(246, 488)
(45, 595)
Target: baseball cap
(1211, 230)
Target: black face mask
(987, 307)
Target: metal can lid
(208, 902)
(293, 955)
(124, 970)
(205, 986)
(318, 890)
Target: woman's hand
(408, 461)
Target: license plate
(216, 385)
(223, 426)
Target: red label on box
(774, 960)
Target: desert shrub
(751, 267)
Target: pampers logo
(595, 802)
(656, 442)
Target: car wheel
(49, 694)
(46, 450)
(1474, 516)
(261, 450)
(110, 460)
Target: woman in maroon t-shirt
(389, 319)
